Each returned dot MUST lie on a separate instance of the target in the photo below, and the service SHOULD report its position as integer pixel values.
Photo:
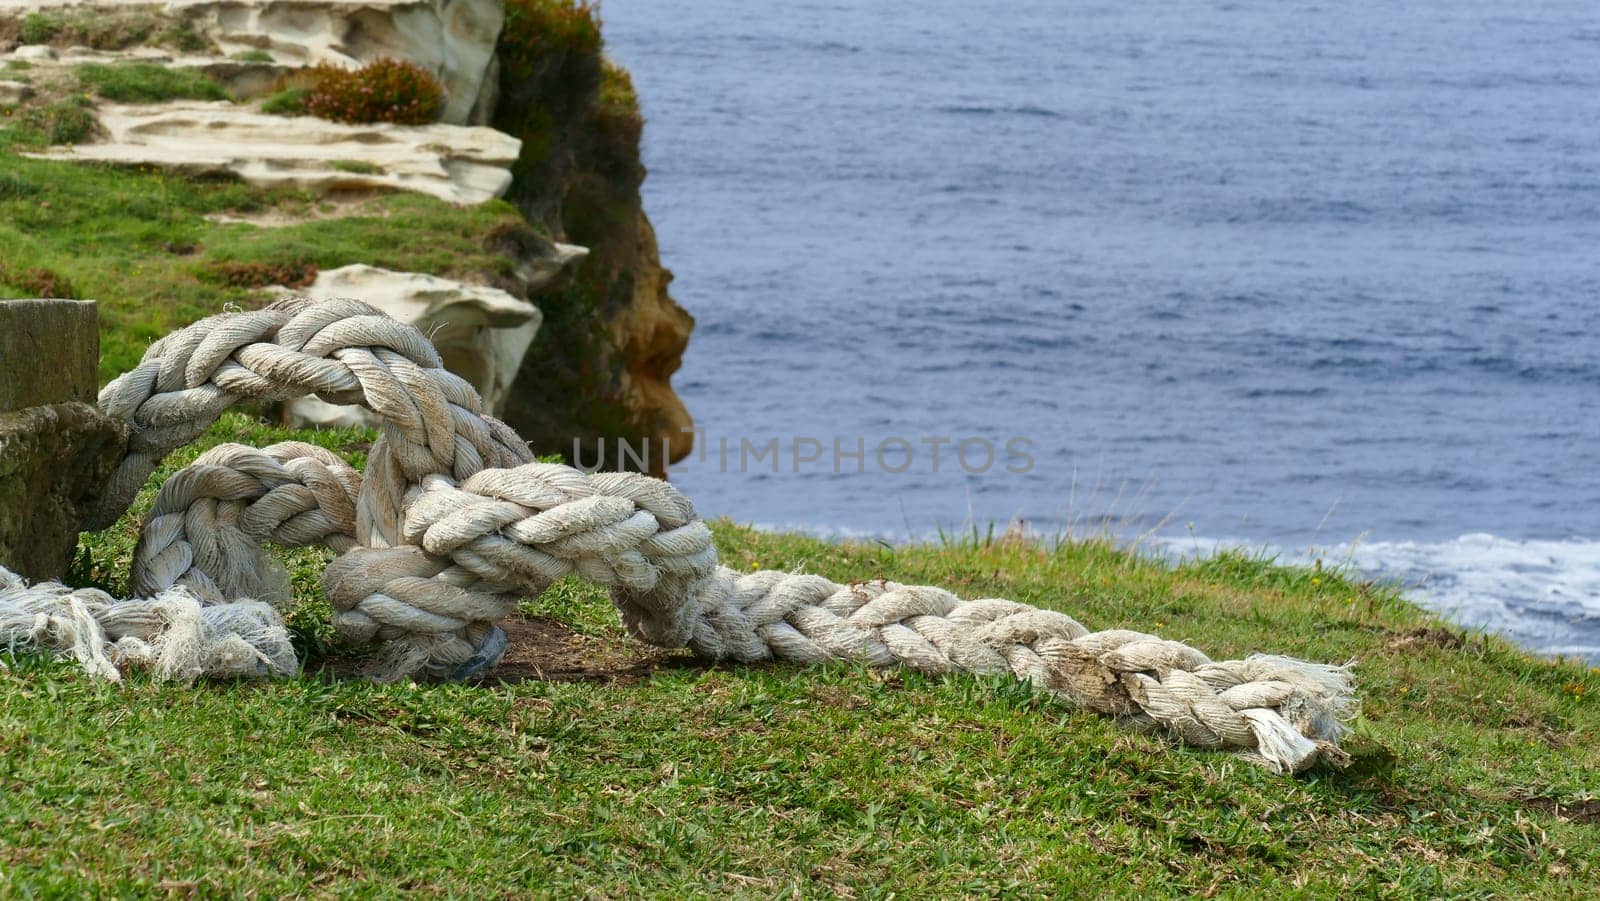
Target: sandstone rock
(33, 53)
(56, 447)
(651, 335)
(458, 318)
(454, 39)
(456, 163)
(14, 92)
(481, 332)
(573, 391)
(244, 80)
(538, 263)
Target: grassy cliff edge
(636, 771)
(1475, 770)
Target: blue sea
(1319, 278)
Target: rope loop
(453, 522)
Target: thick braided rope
(451, 525)
(173, 634)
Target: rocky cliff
(579, 174)
(532, 112)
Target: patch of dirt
(1439, 638)
(1585, 812)
(547, 650)
(297, 273)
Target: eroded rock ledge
(455, 39)
(454, 163)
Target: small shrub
(147, 83)
(287, 102)
(296, 273)
(616, 89)
(253, 56)
(37, 282)
(542, 28)
(617, 123)
(384, 90)
(18, 65)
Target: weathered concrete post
(56, 447)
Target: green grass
(38, 28)
(139, 243)
(66, 121)
(357, 167)
(766, 781)
(147, 83)
(287, 102)
(252, 56)
(100, 28)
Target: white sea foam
(1544, 595)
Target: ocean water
(1287, 274)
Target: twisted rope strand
(452, 523)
